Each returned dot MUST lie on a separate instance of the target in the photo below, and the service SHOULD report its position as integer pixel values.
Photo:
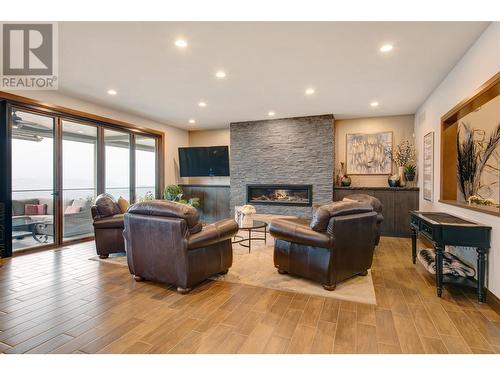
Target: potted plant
(410, 172)
(175, 193)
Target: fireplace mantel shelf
(406, 188)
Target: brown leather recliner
(108, 226)
(165, 242)
(337, 244)
(377, 207)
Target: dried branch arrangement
(473, 154)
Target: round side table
(254, 228)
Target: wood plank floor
(61, 302)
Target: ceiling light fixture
(192, 121)
(271, 113)
(202, 104)
(374, 104)
(386, 48)
(112, 92)
(80, 131)
(181, 43)
(220, 74)
(309, 91)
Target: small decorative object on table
(244, 215)
(393, 180)
(474, 199)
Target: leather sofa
(108, 226)
(376, 205)
(166, 242)
(337, 244)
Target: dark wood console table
(444, 229)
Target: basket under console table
(444, 229)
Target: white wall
(174, 137)
(205, 138)
(479, 64)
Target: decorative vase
(345, 181)
(394, 181)
(402, 181)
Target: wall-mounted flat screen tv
(204, 161)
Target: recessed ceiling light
(192, 121)
(202, 104)
(386, 48)
(220, 74)
(309, 91)
(15, 127)
(112, 92)
(181, 43)
(374, 104)
(80, 131)
(271, 113)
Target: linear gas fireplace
(289, 195)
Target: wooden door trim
(448, 176)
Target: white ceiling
(268, 66)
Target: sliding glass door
(145, 167)
(57, 164)
(79, 178)
(33, 188)
(117, 163)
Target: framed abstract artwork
(428, 167)
(368, 153)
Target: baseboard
(493, 301)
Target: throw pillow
(349, 200)
(35, 209)
(124, 205)
(106, 205)
(79, 203)
(72, 210)
(321, 216)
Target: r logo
(27, 49)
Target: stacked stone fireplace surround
(288, 151)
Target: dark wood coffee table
(256, 227)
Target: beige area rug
(257, 269)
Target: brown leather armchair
(337, 244)
(166, 242)
(376, 205)
(108, 226)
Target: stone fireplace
(282, 166)
(290, 195)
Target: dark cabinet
(397, 203)
(214, 200)
(408, 201)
